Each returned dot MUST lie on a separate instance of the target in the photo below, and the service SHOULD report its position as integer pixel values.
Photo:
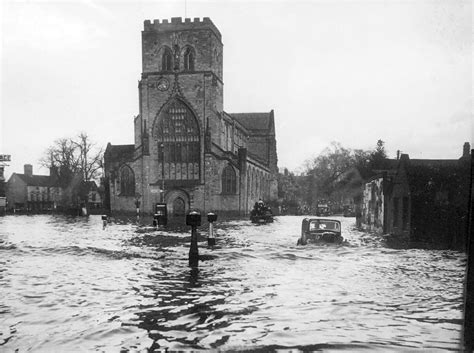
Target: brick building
(33, 193)
(30, 192)
(187, 151)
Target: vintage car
(320, 230)
(323, 210)
(261, 213)
(349, 211)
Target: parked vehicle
(323, 210)
(320, 230)
(349, 211)
(261, 213)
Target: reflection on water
(67, 284)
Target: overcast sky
(346, 71)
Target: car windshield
(324, 225)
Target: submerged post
(137, 205)
(469, 283)
(193, 219)
(211, 239)
(104, 221)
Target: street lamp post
(162, 172)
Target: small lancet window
(166, 63)
(189, 59)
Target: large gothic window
(167, 60)
(178, 143)
(228, 181)
(189, 59)
(127, 181)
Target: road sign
(5, 158)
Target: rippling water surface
(68, 285)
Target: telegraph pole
(3, 200)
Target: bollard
(104, 221)
(211, 218)
(193, 219)
(137, 205)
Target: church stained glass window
(178, 143)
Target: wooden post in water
(469, 288)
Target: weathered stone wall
(215, 198)
(119, 202)
(397, 207)
(202, 36)
(259, 184)
(373, 205)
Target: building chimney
(28, 170)
(466, 150)
(398, 155)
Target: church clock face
(163, 84)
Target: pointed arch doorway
(178, 203)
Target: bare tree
(62, 156)
(74, 161)
(90, 158)
(74, 156)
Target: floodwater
(67, 284)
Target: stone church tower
(188, 152)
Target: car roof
(322, 219)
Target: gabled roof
(36, 180)
(119, 152)
(387, 164)
(434, 163)
(423, 172)
(255, 122)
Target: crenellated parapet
(177, 24)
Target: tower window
(127, 181)
(228, 181)
(189, 59)
(167, 59)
